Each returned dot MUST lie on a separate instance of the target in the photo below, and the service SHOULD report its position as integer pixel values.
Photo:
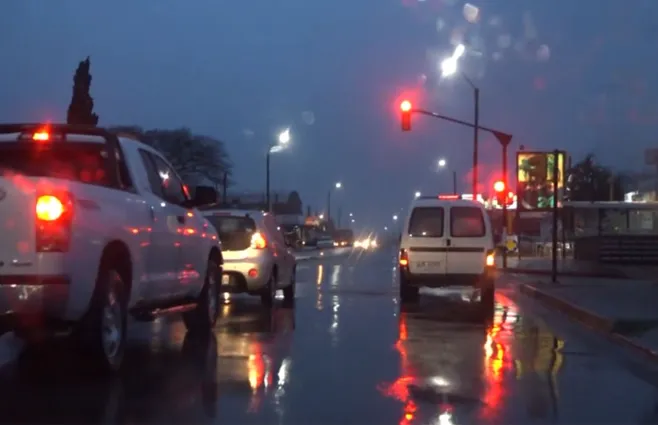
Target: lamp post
(282, 141)
(338, 185)
(449, 67)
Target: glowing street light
(282, 140)
(337, 186)
(417, 195)
(395, 218)
(442, 163)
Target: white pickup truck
(95, 227)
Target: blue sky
(580, 76)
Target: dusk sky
(576, 75)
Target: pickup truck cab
(97, 227)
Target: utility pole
(267, 181)
(556, 170)
(476, 128)
(454, 183)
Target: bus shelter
(614, 232)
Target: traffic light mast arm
(503, 138)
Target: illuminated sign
(534, 171)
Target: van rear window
(426, 222)
(466, 222)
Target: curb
(590, 320)
(544, 272)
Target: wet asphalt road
(344, 355)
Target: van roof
(435, 202)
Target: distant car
(325, 242)
(257, 259)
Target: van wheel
(204, 316)
(487, 303)
(408, 293)
(102, 333)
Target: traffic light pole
(503, 138)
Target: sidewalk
(571, 267)
(623, 310)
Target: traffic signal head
(405, 109)
(500, 192)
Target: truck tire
(103, 330)
(204, 316)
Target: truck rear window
(80, 162)
(426, 222)
(234, 232)
(466, 222)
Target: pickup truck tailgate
(17, 231)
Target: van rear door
(468, 240)
(426, 240)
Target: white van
(448, 242)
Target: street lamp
(395, 218)
(417, 195)
(337, 186)
(442, 164)
(282, 141)
(449, 67)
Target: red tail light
(54, 215)
(258, 241)
(404, 258)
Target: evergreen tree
(81, 109)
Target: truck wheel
(408, 293)
(103, 330)
(289, 291)
(269, 291)
(204, 316)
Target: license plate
(226, 279)
(428, 264)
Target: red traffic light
(499, 186)
(405, 108)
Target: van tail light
(54, 217)
(258, 241)
(490, 260)
(404, 258)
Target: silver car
(257, 260)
